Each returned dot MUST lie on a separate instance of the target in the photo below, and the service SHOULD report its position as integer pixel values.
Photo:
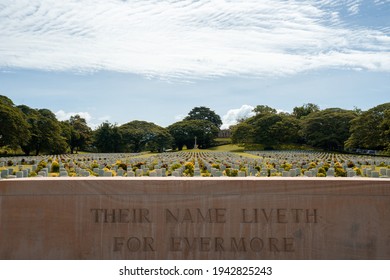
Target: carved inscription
(279, 215)
(214, 215)
(210, 217)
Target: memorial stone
(184, 219)
(308, 173)
(159, 172)
(374, 174)
(4, 173)
(25, 172)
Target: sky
(155, 60)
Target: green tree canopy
(264, 110)
(268, 128)
(13, 127)
(305, 110)
(370, 129)
(242, 133)
(108, 138)
(45, 131)
(145, 136)
(328, 129)
(184, 133)
(204, 113)
(80, 133)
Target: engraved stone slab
(195, 218)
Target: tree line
(332, 129)
(37, 131)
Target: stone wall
(195, 218)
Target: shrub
(358, 171)
(286, 166)
(231, 172)
(340, 172)
(175, 166)
(55, 167)
(215, 165)
(189, 169)
(321, 170)
(122, 165)
(326, 166)
(41, 164)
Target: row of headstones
(281, 156)
(8, 173)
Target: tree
(242, 133)
(80, 134)
(108, 138)
(369, 130)
(264, 131)
(140, 136)
(13, 127)
(45, 131)
(204, 113)
(286, 130)
(305, 110)
(385, 127)
(268, 128)
(264, 110)
(184, 133)
(328, 129)
(32, 117)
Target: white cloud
(233, 115)
(91, 121)
(354, 6)
(62, 115)
(187, 39)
